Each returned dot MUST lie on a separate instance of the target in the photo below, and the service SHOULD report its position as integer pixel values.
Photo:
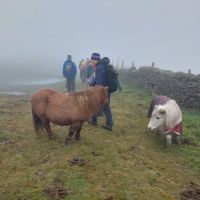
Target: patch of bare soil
(57, 190)
(5, 142)
(95, 154)
(109, 198)
(77, 161)
(188, 142)
(192, 193)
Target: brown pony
(66, 109)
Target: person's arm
(88, 71)
(93, 82)
(100, 73)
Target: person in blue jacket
(101, 78)
(69, 72)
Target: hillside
(129, 163)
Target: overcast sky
(43, 32)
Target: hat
(69, 57)
(95, 56)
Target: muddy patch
(77, 161)
(95, 154)
(5, 142)
(191, 193)
(57, 190)
(188, 142)
(109, 198)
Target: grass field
(129, 163)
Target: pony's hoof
(78, 138)
(51, 137)
(68, 143)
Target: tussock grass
(129, 163)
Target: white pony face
(158, 117)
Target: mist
(36, 36)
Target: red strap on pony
(178, 129)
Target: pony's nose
(149, 128)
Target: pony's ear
(156, 106)
(162, 111)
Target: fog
(36, 35)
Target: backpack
(113, 82)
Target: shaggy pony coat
(66, 109)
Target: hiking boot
(109, 128)
(92, 123)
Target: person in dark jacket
(69, 72)
(101, 78)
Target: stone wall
(184, 88)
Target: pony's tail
(37, 123)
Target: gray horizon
(37, 35)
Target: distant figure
(82, 67)
(88, 62)
(69, 72)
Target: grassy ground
(129, 163)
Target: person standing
(69, 72)
(82, 68)
(101, 78)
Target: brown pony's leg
(48, 129)
(72, 129)
(77, 135)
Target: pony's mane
(90, 99)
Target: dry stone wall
(183, 87)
